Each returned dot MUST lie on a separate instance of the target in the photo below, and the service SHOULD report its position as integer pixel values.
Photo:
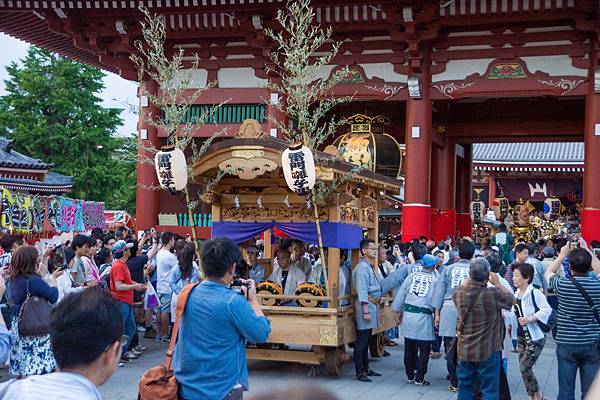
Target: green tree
(52, 111)
(124, 161)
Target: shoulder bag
(34, 316)
(590, 302)
(452, 353)
(159, 383)
(551, 319)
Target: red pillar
(274, 116)
(443, 173)
(590, 215)
(146, 202)
(464, 183)
(416, 212)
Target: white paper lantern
(501, 208)
(552, 207)
(477, 211)
(171, 169)
(298, 166)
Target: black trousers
(451, 367)
(361, 351)
(416, 358)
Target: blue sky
(117, 90)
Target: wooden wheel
(334, 361)
(376, 345)
(308, 291)
(268, 287)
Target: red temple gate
(447, 74)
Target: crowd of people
(477, 301)
(483, 301)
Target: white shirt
(54, 386)
(543, 313)
(165, 261)
(64, 284)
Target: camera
(237, 284)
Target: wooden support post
(268, 252)
(333, 264)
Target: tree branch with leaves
(173, 99)
(308, 100)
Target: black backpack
(551, 320)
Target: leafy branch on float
(177, 94)
(307, 97)
(323, 189)
(302, 52)
(149, 187)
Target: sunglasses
(122, 341)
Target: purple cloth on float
(338, 235)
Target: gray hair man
(480, 329)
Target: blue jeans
(128, 323)
(570, 358)
(487, 372)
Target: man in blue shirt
(210, 356)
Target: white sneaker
(139, 347)
(129, 356)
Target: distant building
(528, 171)
(24, 174)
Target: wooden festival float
(253, 198)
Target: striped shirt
(57, 385)
(576, 322)
(483, 333)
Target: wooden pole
(191, 218)
(320, 239)
(190, 214)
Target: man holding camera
(578, 333)
(210, 356)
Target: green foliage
(173, 79)
(174, 103)
(307, 100)
(125, 164)
(52, 111)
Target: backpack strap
(535, 306)
(469, 309)
(181, 303)
(587, 298)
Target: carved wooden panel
(270, 213)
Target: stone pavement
(267, 376)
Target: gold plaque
(328, 335)
(247, 154)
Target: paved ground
(268, 376)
